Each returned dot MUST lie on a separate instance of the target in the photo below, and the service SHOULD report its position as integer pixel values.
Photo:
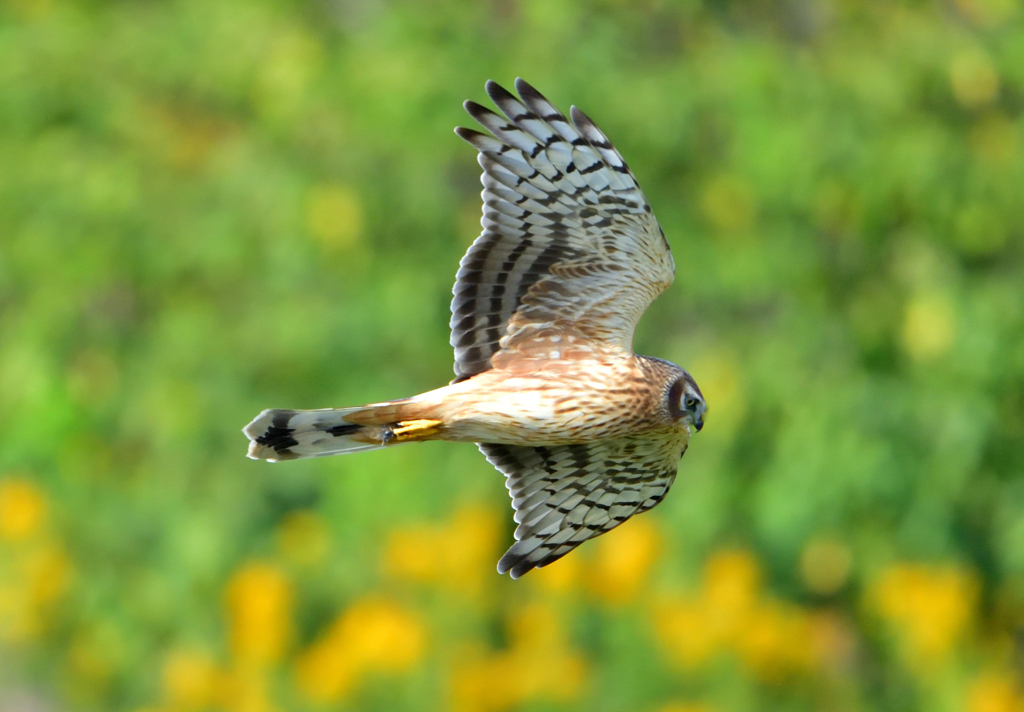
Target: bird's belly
(542, 413)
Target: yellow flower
(622, 562)
(773, 639)
(732, 584)
(245, 690)
(372, 635)
(539, 664)
(259, 608)
(486, 683)
(560, 577)
(994, 692)
(930, 607)
(22, 509)
(732, 578)
(553, 674)
(694, 629)
(39, 576)
(48, 574)
(326, 672)
(191, 680)
(536, 627)
(457, 556)
(541, 650)
(682, 626)
(383, 635)
(777, 641)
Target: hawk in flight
(586, 432)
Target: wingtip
(514, 566)
(521, 568)
(504, 564)
(497, 92)
(526, 89)
(586, 126)
(479, 112)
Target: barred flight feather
(564, 495)
(569, 242)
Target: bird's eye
(691, 402)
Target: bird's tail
(292, 434)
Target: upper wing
(566, 494)
(570, 249)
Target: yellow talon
(415, 430)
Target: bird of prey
(545, 303)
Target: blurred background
(211, 208)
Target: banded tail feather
(293, 434)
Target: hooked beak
(698, 424)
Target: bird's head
(686, 402)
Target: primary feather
(570, 246)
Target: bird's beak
(698, 424)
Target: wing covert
(570, 247)
(564, 495)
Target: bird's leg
(410, 430)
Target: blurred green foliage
(209, 208)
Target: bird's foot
(410, 430)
